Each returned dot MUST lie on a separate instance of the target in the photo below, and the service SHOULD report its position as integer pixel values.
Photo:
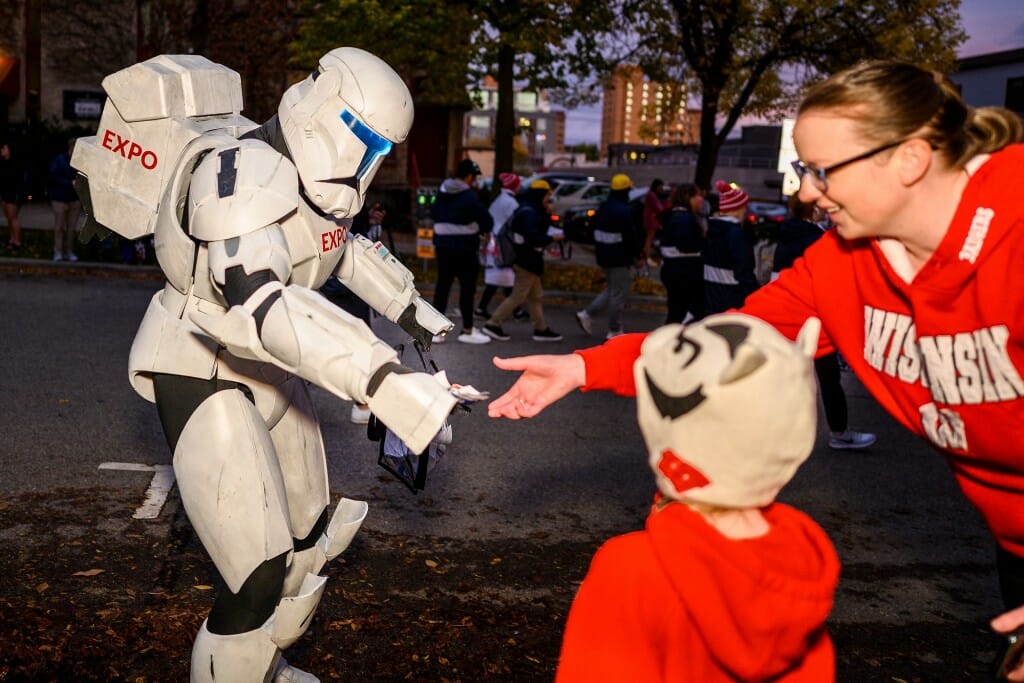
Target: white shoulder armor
(240, 188)
(154, 109)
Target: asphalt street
(914, 552)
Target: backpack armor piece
(153, 110)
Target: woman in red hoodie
(920, 286)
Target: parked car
(576, 220)
(556, 178)
(763, 212)
(572, 192)
(765, 218)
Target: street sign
(424, 243)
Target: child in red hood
(723, 584)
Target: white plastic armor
(256, 655)
(154, 109)
(379, 279)
(248, 221)
(340, 125)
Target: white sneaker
(58, 257)
(474, 336)
(850, 440)
(583, 318)
(360, 414)
(614, 333)
(71, 257)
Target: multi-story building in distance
(637, 110)
(541, 131)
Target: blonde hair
(894, 100)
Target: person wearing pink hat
(729, 255)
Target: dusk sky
(991, 26)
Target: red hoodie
(681, 602)
(944, 354)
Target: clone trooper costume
(248, 222)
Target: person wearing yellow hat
(531, 232)
(617, 245)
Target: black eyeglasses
(818, 175)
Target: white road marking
(159, 487)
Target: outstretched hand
(545, 379)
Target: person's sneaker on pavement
(548, 335)
(583, 318)
(614, 333)
(495, 332)
(850, 440)
(520, 314)
(481, 313)
(473, 337)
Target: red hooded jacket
(681, 602)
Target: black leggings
(684, 289)
(832, 395)
(463, 264)
(1011, 577)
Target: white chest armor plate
(264, 191)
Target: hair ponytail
(989, 129)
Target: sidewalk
(37, 216)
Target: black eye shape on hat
(671, 406)
(732, 333)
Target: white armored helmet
(727, 407)
(340, 123)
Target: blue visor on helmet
(376, 146)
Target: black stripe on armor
(227, 176)
(382, 372)
(239, 286)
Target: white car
(572, 192)
(555, 178)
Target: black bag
(505, 248)
(396, 457)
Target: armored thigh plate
(231, 486)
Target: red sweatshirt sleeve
(789, 301)
(610, 366)
(786, 303)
